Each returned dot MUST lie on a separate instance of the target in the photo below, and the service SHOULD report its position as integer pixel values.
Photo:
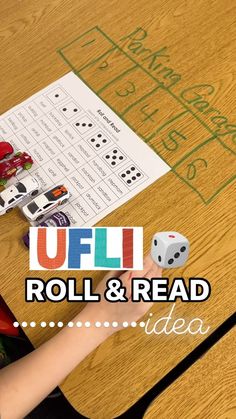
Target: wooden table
(205, 390)
(193, 44)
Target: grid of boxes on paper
(68, 147)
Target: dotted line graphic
(78, 324)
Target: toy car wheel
(39, 218)
(18, 170)
(34, 193)
(3, 182)
(27, 166)
(7, 155)
(9, 209)
(64, 201)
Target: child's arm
(25, 383)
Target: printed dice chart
(75, 139)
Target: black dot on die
(77, 124)
(176, 255)
(114, 157)
(114, 151)
(83, 125)
(107, 156)
(170, 261)
(75, 110)
(90, 125)
(159, 258)
(92, 140)
(128, 172)
(133, 177)
(155, 242)
(104, 141)
(97, 145)
(138, 174)
(129, 181)
(121, 157)
(64, 109)
(182, 249)
(132, 168)
(123, 175)
(99, 135)
(57, 95)
(113, 163)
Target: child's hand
(26, 382)
(120, 312)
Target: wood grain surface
(206, 390)
(201, 40)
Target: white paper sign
(75, 139)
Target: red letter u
(43, 259)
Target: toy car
(15, 165)
(58, 219)
(6, 150)
(14, 194)
(46, 202)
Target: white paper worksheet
(75, 139)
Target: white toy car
(46, 202)
(14, 194)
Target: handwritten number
(103, 65)
(192, 168)
(148, 115)
(128, 91)
(171, 144)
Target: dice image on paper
(83, 124)
(169, 249)
(57, 95)
(69, 109)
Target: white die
(169, 249)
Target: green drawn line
(96, 59)
(189, 185)
(168, 91)
(131, 127)
(115, 79)
(170, 120)
(221, 188)
(165, 124)
(193, 151)
(66, 60)
(225, 146)
(206, 201)
(88, 43)
(151, 146)
(86, 65)
(190, 110)
(150, 75)
(111, 107)
(156, 80)
(139, 100)
(78, 37)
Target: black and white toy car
(14, 194)
(46, 202)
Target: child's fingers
(126, 278)
(147, 265)
(113, 274)
(154, 272)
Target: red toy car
(15, 165)
(6, 150)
